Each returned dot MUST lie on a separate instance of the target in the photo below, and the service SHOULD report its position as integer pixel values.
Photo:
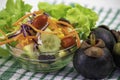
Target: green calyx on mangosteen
(93, 60)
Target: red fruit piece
(68, 41)
(40, 21)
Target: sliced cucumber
(50, 43)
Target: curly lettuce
(12, 12)
(83, 19)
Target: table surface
(109, 14)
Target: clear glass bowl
(50, 65)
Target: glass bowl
(35, 65)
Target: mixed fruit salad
(41, 42)
(39, 33)
(81, 18)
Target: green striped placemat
(10, 70)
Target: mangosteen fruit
(103, 32)
(93, 60)
(116, 54)
(116, 49)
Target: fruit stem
(92, 39)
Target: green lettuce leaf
(57, 11)
(13, 11)
(45, 6)
(83, 19)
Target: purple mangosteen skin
(91, 67)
